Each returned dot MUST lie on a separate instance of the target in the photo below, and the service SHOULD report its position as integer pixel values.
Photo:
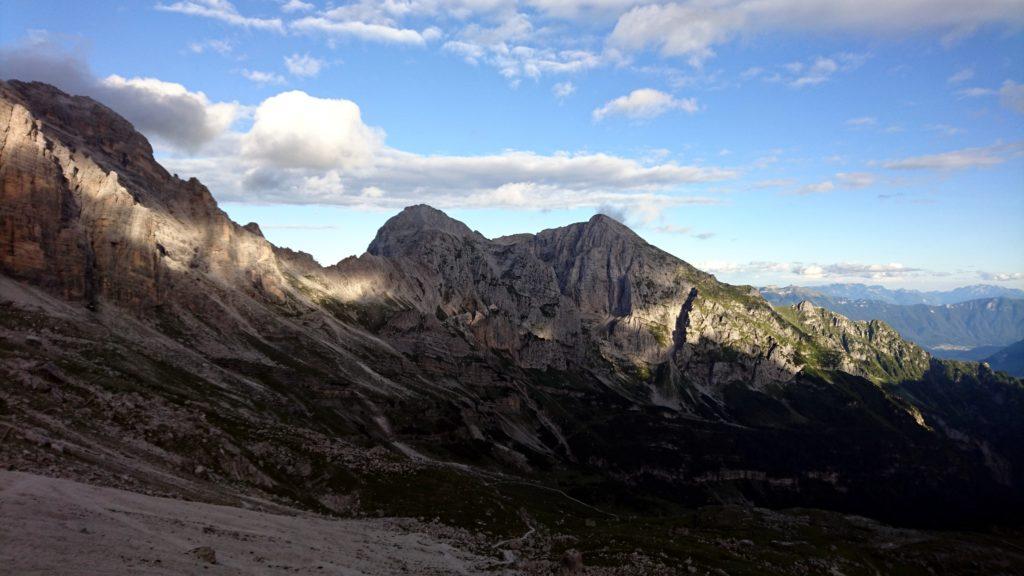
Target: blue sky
(768, 141)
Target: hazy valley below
(971, 323)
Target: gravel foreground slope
(54, 526)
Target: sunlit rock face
(187, 346)
(870, 349)
(89, 213)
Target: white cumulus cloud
(303, 149)
(644, 103)
(296, 130)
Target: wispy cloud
(871, 123)
(303, 65)
(963, 159)
(261, 77)
(683, 231)
(222, 47)
(1001, 276)
(816, 271)
(802, 74)
(296, 6)
(815, 188)
(1011, 94)
(855, 179)
(862, 121)
(516, 51)
(563, 90)
(962, 75)
(692, 30)
(945, 129)
(224, 11)
(370, 32)
(775, 183)
(841, 180)
(818, 71)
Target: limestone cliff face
(87, 212)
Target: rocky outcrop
(868, 348)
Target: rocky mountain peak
(412, 222)
(806, 306)
(254, 228)
(604, 227)
(112, 141)
(600, 219)
(600, 237)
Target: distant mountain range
(790, 295)
(967, 330)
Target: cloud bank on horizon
(645, 85)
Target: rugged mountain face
(151, 342)
(869, 348)
(591, 293)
